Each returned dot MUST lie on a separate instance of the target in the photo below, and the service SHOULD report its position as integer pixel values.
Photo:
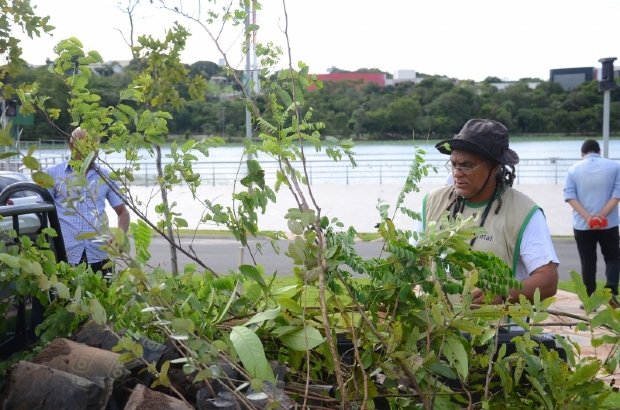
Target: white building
(403, 76)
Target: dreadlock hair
(504, 178)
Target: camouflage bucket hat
(486, 138)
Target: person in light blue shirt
(80, 210)
(593, 191)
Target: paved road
(223, 254)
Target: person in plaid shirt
(81, 209)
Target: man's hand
(123, 217)
(598, 221)
(479, 297)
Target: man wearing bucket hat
(482, 165)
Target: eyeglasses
(464, 170)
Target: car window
(8, 179)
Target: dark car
(29, 224)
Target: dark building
(571, 77)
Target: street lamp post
(223, 122)
(607, 84)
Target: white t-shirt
(536, 247)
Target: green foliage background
(436, 107)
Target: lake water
(541, 162)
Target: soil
(57, 348)
(152, 401)
(143, 398)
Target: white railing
(60, 145)
(321, 171)
(368, 171)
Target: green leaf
(296, 250)
(203, 374)
(96, 310)
(5, 138)
(86, 60)
(43, 282)
(188, 145)
(75, 41)
(63, 291)
(468, 326)
(264, 316)
(252, 273)
(78, 294)
(31, 150)
(181, 325)
(253, 165)
(286, 98)
(295, 227)
(456, 354)
(8, 154)
(94, 54)
(12, 261)
(86, 162)
(257, 384)
(125, 357)
(290, 305)
(252, 353)
(257, 177)
(86, 235)
(222, 313)
(584, 373)
(127, 110)
(442, 370)
(181, 223)
(298, 339)
(31, 163)
(43, 179)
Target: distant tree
(374, 70)
(431, 88)
(358, 122)
(334, 70)
(207, 69)
(491, 79)
(550, 88)
(376, 122)
(401, 115)
(52, 86)
(455, 108)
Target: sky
(465, 39)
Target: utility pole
(606, 84)
(255, 60)
(249, 13)
(248, 71)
